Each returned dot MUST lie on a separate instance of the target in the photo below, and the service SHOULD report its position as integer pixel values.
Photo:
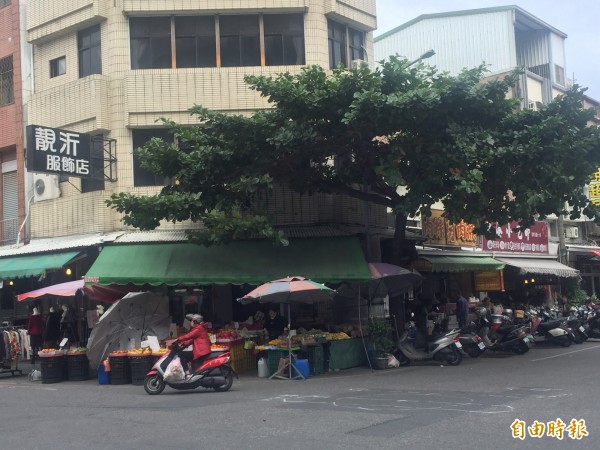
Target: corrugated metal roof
(59, 243)
(152, 236)
(525, 17)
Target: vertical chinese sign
(439, 231)
(594, 189)
(59, 152)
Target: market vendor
(274, 324)
(198, 338)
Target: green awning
(33, 265)
(444, 263)
(252, 262)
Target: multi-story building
(504, 38)
(15, 77)
(110, 69)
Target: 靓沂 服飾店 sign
(56, 151)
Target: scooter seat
(549, 325)
(506, 330)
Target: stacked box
(316, 359)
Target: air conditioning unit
(357, 63)
(45, 187)
(572, 232)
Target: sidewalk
(246, 377)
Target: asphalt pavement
(423, 406)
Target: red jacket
(35, 325)
(198, 337)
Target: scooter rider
(198, 337)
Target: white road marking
(567, 353)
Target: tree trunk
(399, 238)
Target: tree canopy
(404, 136)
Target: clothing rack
(7, 364)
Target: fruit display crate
(316, 359)
(242, 360)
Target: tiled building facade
(112, 68)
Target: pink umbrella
(68, 289)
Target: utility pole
(562, 248)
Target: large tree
(403, 136)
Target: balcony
(45, 22)
(84, 102)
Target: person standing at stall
(462, 310)
(274, 324)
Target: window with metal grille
(7, 92)
(58, 67)
(89, 51)
(284, 39)
(4, 3)
(96, 181)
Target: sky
(579, 19)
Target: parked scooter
(508, 338)
(470, 341)
(214, 373)
(551, 331)
(443, 348)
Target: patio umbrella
(135, 316)
(392, 280)
(289, 290)
(68, 289)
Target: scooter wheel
(566, 342)
(455, 358)
(521, 348)
(228, 375)
(474, 352)
(402, 359)
(154, 385)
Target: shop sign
(488, 280)
(594, 188)
(529, 240)
(440, 231)
(56, 151)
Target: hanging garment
(52, 328)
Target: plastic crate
(52, 369)
(120, 370)
(140, 366)
(78, 367)
(273, 359)
(316, 359)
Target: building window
(195, 41)
(345, 44)
(7, 92)
(58, 67)
(141, 176)
(356, 44)
(284, 39)
(337, 44)
(96, 180)
(559, 75)
(90, 53)
(150, 42)
(240, 41)
(4, 3)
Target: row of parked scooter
(508, 332)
